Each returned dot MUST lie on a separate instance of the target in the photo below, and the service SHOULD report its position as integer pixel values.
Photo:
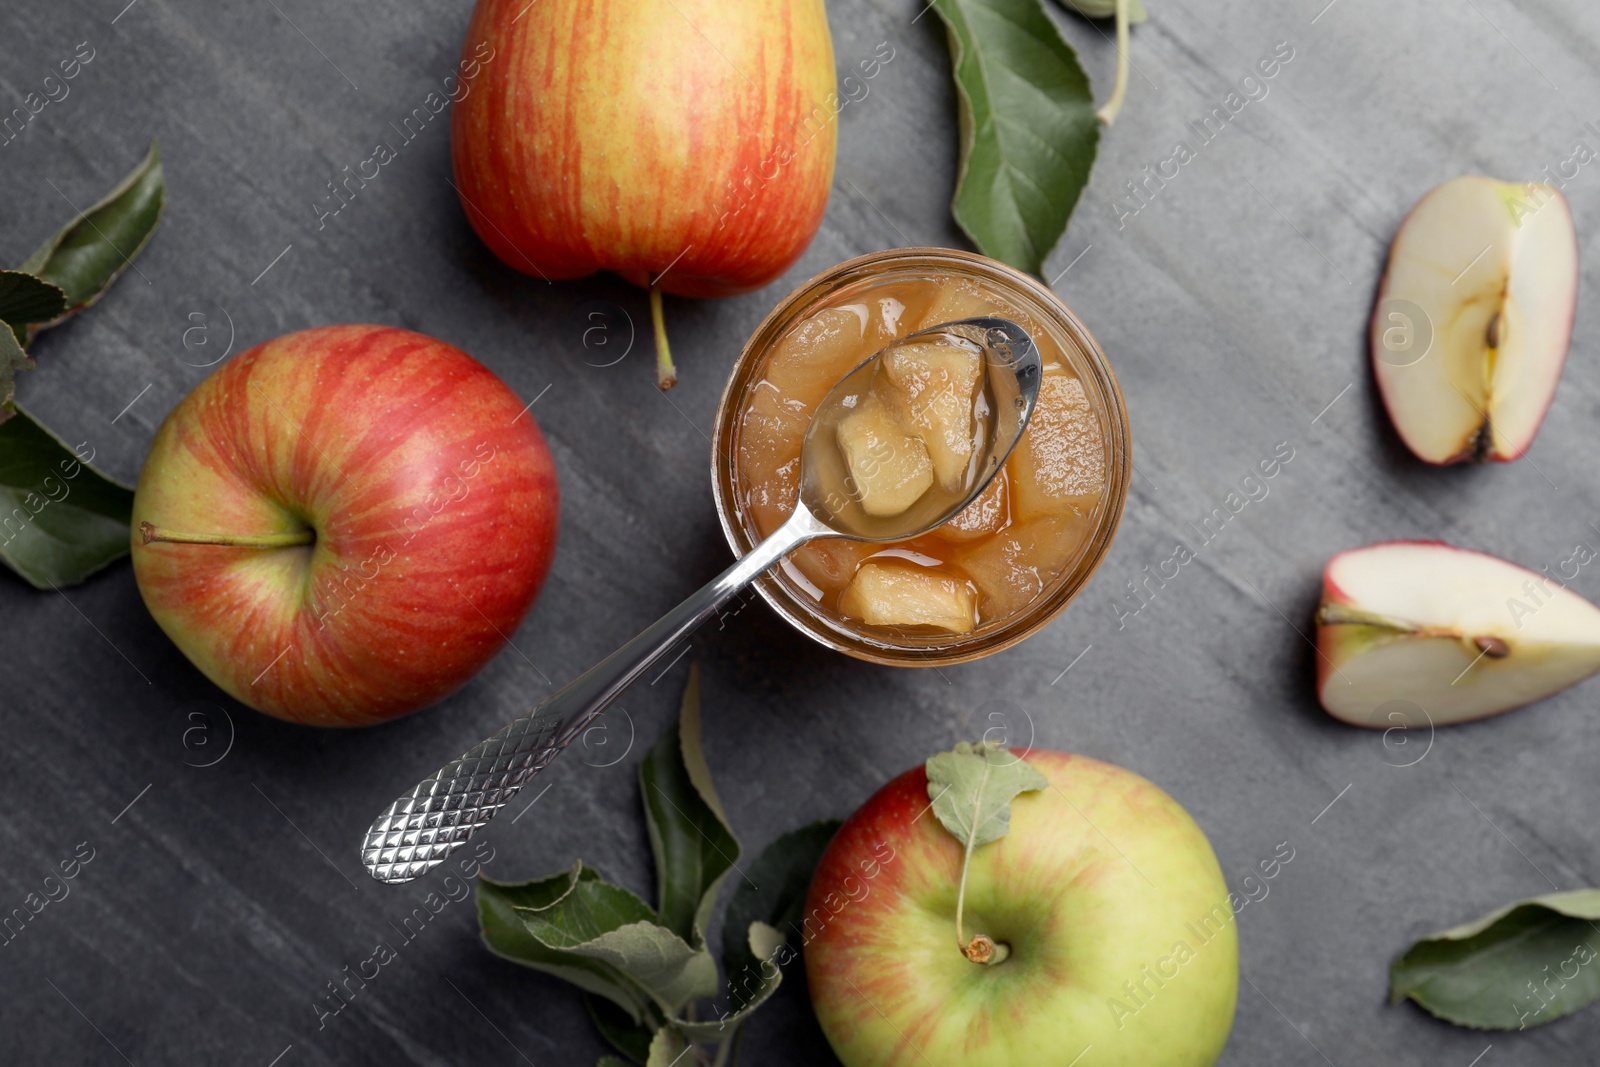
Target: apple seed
(1492, 647)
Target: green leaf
(1028, 127)
(60, 519)
(88, 253)
(689, 834)
(628, 1037)
(775, 894)
(12, 360)
(56, 529)
(1105, 9)
(763, 909)
(507, 935)
(614, 1061)
(666, 1049)
(1522, 965)
(973, 786)
(747, 990)
(588, 909)
(594, 920)
(25, 299)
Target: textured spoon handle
(445, 809)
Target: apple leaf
(614, 1061)
(505, 934)
(1028, 127)
(666, 1049)
(87, 254)
(25, 299)
(12, 359)
(747, 990)
(60, 519)
(628, 1037)
(1522, 965)
(775, 894)
(973, 786)
(594, 920)
(689, 835)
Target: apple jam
(915, 432)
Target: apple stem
(986, 950)
(1108, 113)
(153, 533)
(981, 948)
(666, 373)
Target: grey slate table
(222, 899)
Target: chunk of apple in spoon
(1474, 316)
(934, 386)
(1424, 631)
(889, 468)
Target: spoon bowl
(1008, 388)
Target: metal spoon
(444, 811)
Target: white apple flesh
(1474, 317)
(1414, 633)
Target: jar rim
(885, 647)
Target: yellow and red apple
(1120, 932)
(687, 145)
(344, 524)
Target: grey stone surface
(1233, 308)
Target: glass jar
(783, 587)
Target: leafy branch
(60, 519)
(645, 971)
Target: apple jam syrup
(994, 558)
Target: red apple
(344, 524)
(1121, 946)
(687, 145)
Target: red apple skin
(891, 988)
(431, 493)
(633, 137)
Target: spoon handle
(442, 813)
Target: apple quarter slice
(1415, 633)
(1474, 316)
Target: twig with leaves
(60, 519)
(646, 971)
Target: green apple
(1116, 935)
